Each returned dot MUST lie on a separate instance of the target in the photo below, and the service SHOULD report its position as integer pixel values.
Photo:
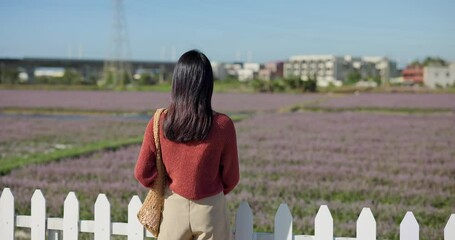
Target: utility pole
(2, 80)
(117, 68)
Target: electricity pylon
(117, 68)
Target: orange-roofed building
(413, 74)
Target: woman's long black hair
(189, 115)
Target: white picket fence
(69, 227)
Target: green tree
(415, 63)
(353, 77)
(9, 75)
(293, 83)
(435, 61)
(261, 85)
(72, 76)
(377, 79)
(147, 79)
(311, 84)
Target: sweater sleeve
(230, 173)
(145, 170)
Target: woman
(199, 151)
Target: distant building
(232, 69)
(439, 76)
(334, 69)
(413, 74)
(327, 68)
(252, 66)
(386, 68)
(366, 69)
(245, 74)
(271, 70)
(265, 74)
(49, 72)
(243, 71)
(219, 70)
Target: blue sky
(231, 30)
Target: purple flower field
(107, 172)
(142, 101)
(391, 100)
(24, 135)
(391, 163)
(227, 102)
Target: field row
(226, 102)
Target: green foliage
(311, 84)
(9, 75)
(387, 110)
(115, 79)
(377, 79)
(72, 76)
(267, 86)
(147, 79)
(433, 61)
(436, 61)
(353, 77)
(48, 80)
(415, 63)
(292, 84)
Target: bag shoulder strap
(156, 135)
(156, 129)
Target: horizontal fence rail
(69, 227)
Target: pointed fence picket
(244, 222)
(135, 229)
(71, 217)
(7, 218)
(69, 227)
(283, 223)
(38, 216)
(366, 225)
(449, 230)
(409, 228)
(323, 224)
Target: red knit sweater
(196, 169)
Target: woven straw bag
(150, 213)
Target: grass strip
(233, 86)
(236, 116)
(9, 164)
(68, 111)
(399, 110)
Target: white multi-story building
(252, 66)
(243, 71)
(439, 76)
(245, 74)
(334, 69)
(232, 69)
(327, 68)
(249, 71)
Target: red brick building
(413, 74)
(272, 70)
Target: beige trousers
(203, 219)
